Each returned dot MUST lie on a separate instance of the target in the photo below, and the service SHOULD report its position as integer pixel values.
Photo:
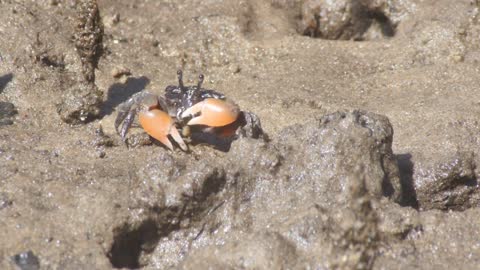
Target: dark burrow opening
(386, 26)
(132, 243)
(406, 168)
(320, 19)
(129, 244)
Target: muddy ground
(371, 161)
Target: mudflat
(370, 159)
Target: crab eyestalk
(212, 112)
(159, 125)
(200, 82)
(180, 78)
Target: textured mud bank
(371, 161)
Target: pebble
(112, 20)
(26, 261)
(7, 110)
(120, 71)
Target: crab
(187, 111)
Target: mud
(370, 162)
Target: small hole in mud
(54, 61)
(344, 20)
(213, 184)
(386, 26)
(129, 244)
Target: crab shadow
(4, 80)
(219, 143)
(120, 92)
(406, 169)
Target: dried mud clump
(81, 102)
(359, 233)
(339, 142)
(450, 185)
(276, 215)
(88, 38)
(347, 19)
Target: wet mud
(369, 158)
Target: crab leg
(212, 112)
(159, 125)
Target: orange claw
(159, 125)
(213, 113)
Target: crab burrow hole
(130, 242)
(134, 242)
(346, 19)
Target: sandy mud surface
(370, 159)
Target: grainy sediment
(371, 161)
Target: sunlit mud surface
(371, 109)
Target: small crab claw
(159, 125)
(212, 112)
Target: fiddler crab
(187, 111)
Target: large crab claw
(159, 125)
(212, 112)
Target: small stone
(123, 80)
(7, 110)
(112, 20)
(6, 122)
(457, 58)
(101, 153)
(5, 201)
(120, 71)
(26, 261)
(80, 104)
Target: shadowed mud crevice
(133, 243)
(45, 55)
(203, 198)
(405, 166)
(450, 184)
(48, 60)
(212, 185)
(387, 186)
(129, 243)
(387, 27)
(447, 186)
